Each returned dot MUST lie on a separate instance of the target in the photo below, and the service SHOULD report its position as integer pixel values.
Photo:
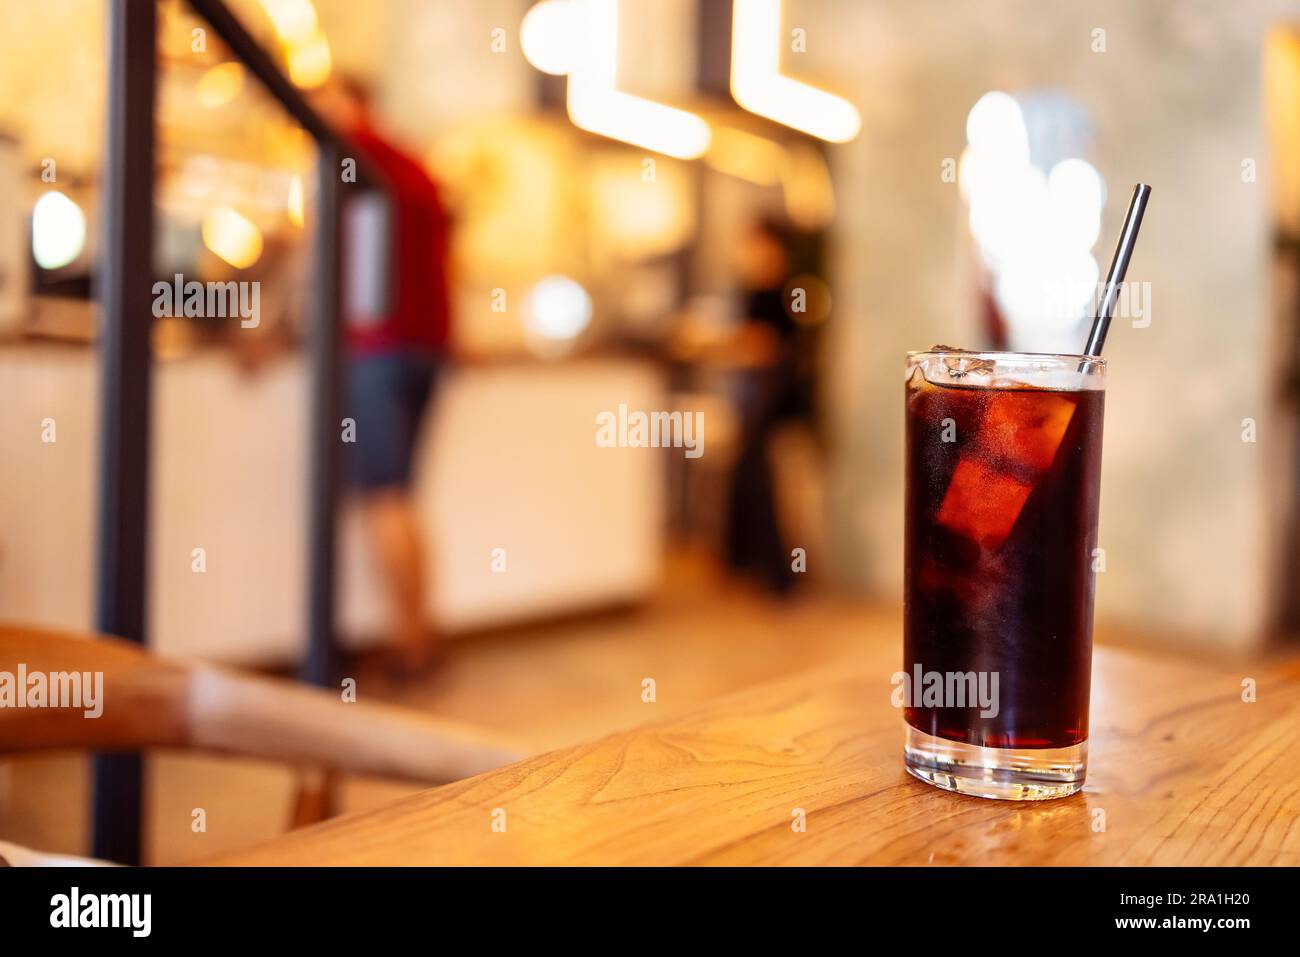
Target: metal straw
(1118, 267)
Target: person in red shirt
(397, 325)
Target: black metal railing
(125, 401)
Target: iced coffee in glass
(1003, 461)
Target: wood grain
(1182, 771)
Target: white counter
(509, 461)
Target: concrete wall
(1176, 101)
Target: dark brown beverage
(1001, 523)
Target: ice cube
(982, 504)
(959, 363)
(1026, 427)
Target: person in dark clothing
(766, 393)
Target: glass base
(1007, 774)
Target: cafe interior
(615, 179)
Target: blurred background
(746, 212)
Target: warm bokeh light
(558, 308)
(1008, 211)
(58, 230)
(231, 237)
(746, 156)
(806, 187)
(220, 84)
(295, 204)
(547, 36)
(758, 85)
(1034, 229)
(596, 105)
(637, 220)
(1075, 196)
(198, 176)
(808, 299)
(995, 127)
(1282, 115)
(309, 61)
(295, 21)
(1046, 290)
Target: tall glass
(1003, 465)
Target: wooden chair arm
(295, 723)
(150, 703)
(143, 696)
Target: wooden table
(1182, 771)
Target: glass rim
(1063, 357)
